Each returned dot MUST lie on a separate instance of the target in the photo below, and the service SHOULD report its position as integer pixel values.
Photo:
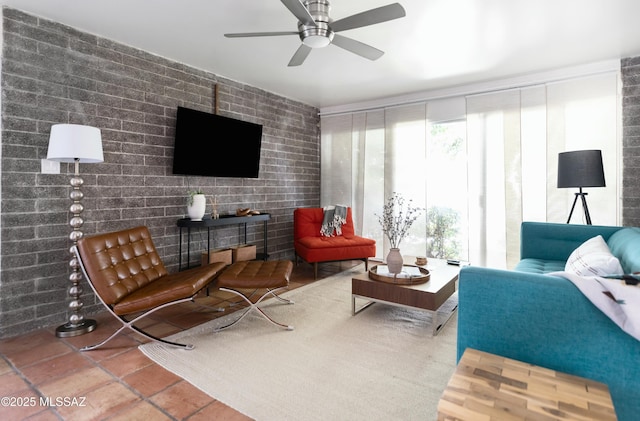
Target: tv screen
(215, 146)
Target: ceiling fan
(317, 30)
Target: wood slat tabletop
(487, 387)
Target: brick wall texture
(52, 74)
(631, 141)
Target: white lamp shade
(71, 142)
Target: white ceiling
(439, 44)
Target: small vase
(197, 208)
(394, 261)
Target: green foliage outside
(442, 230)
(446, 141)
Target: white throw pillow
(593, 258)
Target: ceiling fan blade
(300, 55)
(370, 17)
(297, 8)
(259, 34)
(357, 47)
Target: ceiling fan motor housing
(316, 29)
(320, 35)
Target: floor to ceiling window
(447, 191)
(478, 165)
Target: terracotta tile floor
(117, 381)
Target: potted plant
(396, 220)
(196, 204)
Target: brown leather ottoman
(254, 275)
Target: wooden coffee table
(428, 296)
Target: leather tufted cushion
(119, 263)
(128, 274)
(166, 289)
(256, 274)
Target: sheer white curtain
(367, 156)
(509, 156)
(518, 134)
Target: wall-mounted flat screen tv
(215, 146)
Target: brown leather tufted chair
(127, 275)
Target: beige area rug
(381, 364)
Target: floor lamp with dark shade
(74, 143)
(580, 169)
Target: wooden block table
(489, 387)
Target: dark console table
(209, 223)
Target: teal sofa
(528, 315)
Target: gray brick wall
(631, 141)
(51, 74)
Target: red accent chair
(314, 248)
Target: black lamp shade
(580, 169)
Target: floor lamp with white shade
(74, 143)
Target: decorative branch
(396, 219)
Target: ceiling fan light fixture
(317, 41)
(316, 36)
(317, 30)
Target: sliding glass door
(446, 191)
(478, 165)
(366, 157)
